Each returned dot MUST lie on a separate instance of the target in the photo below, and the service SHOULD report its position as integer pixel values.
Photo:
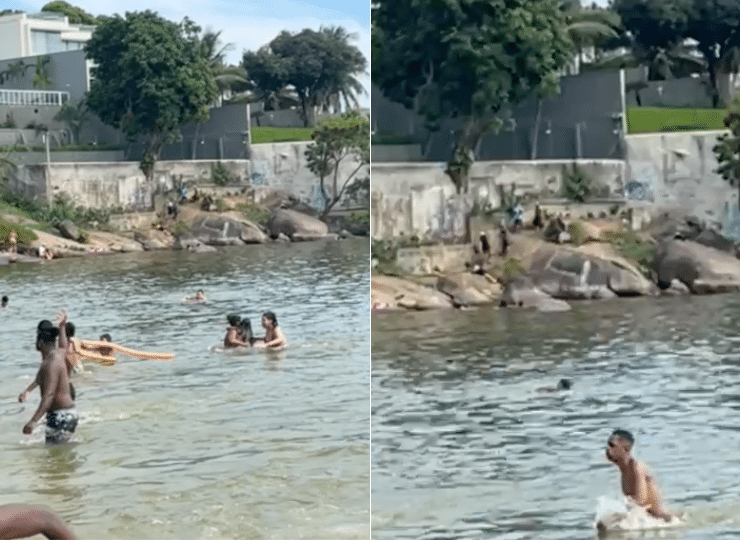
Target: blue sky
(248, 24)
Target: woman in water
(245, 331)
(274, 338)
(233, 336)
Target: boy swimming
(638, 483)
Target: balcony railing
(24, 98)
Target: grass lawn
(654, 119)
(276, 134)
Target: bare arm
(62, 323)
(641, 495)
(28, 390)
(25, 520)
(232, 339)
(279, 340)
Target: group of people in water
(239, 333)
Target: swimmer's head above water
(233, 319)
(619, 445)
(46, 335)
(564, 384)
(5, 301)
(268, 317)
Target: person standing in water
(274, 337)
(638, 483)
(233, 337)
(53, 381)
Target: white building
(23, 34)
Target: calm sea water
(212, 445)
(463, 445)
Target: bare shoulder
(643, 469)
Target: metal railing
(21, 98)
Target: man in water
(4, 301)
(563, 384)
(53, 380)
(26, 520)
(274, 337)
(638, 483)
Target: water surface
(464, 447)
(223, 446)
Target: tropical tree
(41, 76)
(467, 60)
(75, 15)
(315, 64)
(338, 140)
(152, 76)
(75, 116)
(727, 149)
(228, 78)
(589, 27)
(346, 89)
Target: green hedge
(25, 236)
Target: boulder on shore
(295, 225)
(704, 270)
(392, 293)
(467, 289)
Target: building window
(46, 42)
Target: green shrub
(577, 234)
(508, 269)
(255, 213)
(180, 228)
(632, 247)
(220, 175)
(24, 235)
(360, 217)
(221, 205)
(577, 185)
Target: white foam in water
(616, 515)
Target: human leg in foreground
(26, 520)
(638, 483)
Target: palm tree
(345, 89)
(228, 78)
(589, 27)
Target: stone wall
(678, 171)
(419, 199)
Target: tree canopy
(152, 76)
(727, 149)
(75, 15)
(335, 141)
(468, 59)
(318, 65)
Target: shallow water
(463, 445)
(223, 446)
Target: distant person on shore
(13, 241)
(485, 246)
(503, 236)
(638, 483)
(563, 384)
(4, 302)
(274, 337)
(233, 337)
(517, 217)
(52, 378)
(26, 520)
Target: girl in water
(234, 336)
(274, 338)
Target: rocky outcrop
(521, 292)
(220, 231)
(251, 232)
(702, 269)
(392, 293)
(569, 274)
(295, 225)
(153, 239)
(67, 229)
(469, 289)
(103, 242)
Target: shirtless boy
(274, 337)
(638, 483)
(233, 337)
(53, 380)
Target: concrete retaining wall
(419, 198)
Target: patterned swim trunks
(60, 425)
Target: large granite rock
(701, 268)
(469, 289)
(103, 242)
(68, 229)
(569, 274)
(521, 292)
(295, 225)
(153, 239)
(251, 232)
(392, 293)
(220, 231)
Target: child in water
(234, 337)
(274, 337)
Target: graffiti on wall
(447, 221)
(731, 224)
(642, 185)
